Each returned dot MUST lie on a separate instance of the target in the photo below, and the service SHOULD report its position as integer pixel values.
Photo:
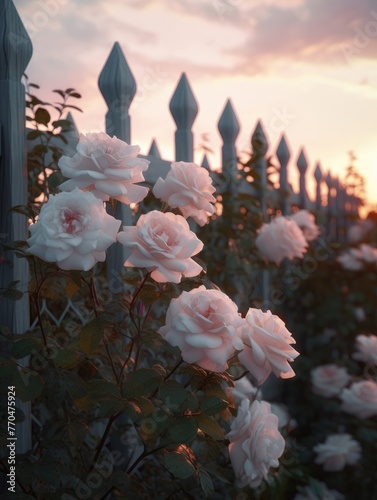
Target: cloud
(315, 31)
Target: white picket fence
(118, 87)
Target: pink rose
(360, 399)
(355, 258)
(337, 451)
(243, 389)
(366, 346)
(73, 230)
(355, 233)
(306, 222)
(189, 188)
(350, 260)
(204, 325)
(255, 442)
(281, 238)
(329, 380)
(267, 346)
(163, 244)
(106, 166)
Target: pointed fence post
(283, 155)
(184, 108)
(118, 87)
(318, 176)
(331, 230)
(15, 53)
(205, 163)
(302, 165)
(229, 128)
(153, 150)
(342, 225)
(260, 146)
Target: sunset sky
(304, 67)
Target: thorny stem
(104, 437)
(143, 455)
(241, 376)
(39, 288)
(97, 305)
(126, 361)
(133, 301)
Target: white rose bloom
(106, 166)
(189, 188)
(255, 442)
(74, 230)
(337, 451)
(281, 238)
(306, 222)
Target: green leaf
(103, 389)
(34, 134)
(29, 385)
(91, 337)
(62, 138)
(86, 403)
(66, 125)
(110, 407)
(183, 429)
(206, 483)
(60, 92)
(179, 465)
(141, 382)
(213, 405)
(66, 358)
(133, 411)
(7, 369)
(55, 179)
(146, 406)
(210, 426)
(42, 116)
(12, 294)
(173, 394)
(24, 347)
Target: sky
(307, 68)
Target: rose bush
(189, 188)
(107, 166)
(73, 230)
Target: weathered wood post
(302, 165)
(184, 108)
(15, 54)
(283, 155)
(118, 87)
